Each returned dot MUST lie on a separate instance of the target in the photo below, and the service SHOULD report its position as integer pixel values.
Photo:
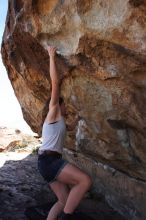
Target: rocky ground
(21, 186)
(13, 140)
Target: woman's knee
(87, 181)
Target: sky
(10, 111)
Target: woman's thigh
(71, 174)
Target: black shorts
(50, 166)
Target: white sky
(10, 111)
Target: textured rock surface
(21, 185)
(102, 62)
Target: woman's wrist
(52, 57)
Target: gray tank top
(53, 136)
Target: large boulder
(101, 59)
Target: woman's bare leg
(81, 181)
(61, 191)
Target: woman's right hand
(51, 51)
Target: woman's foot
(65, 216)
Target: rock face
(102, 63)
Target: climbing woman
(56, 171)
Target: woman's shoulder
(53, 115)
(53, 120)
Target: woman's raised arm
(55, 80)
